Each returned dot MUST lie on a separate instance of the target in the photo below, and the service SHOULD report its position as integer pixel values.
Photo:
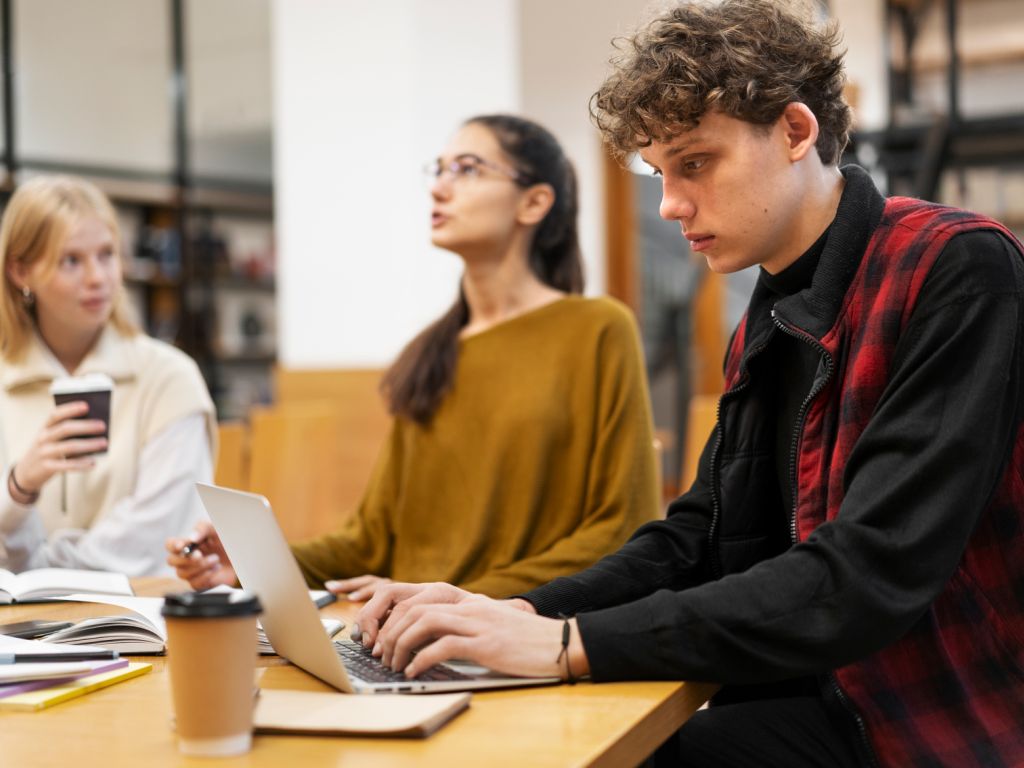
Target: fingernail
(330, 585)
(376, 649)
(357, 634)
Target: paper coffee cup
(95, 389)
(211, 653)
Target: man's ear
(801, 129)
(535, 204)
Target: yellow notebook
(47, 697)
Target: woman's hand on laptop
(200, 559)
(357, 588)
(490, 632)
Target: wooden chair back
(295, 461)
(232, 467)
(703, 412)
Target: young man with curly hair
(849, 562)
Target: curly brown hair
(747, 59)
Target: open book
(143, 630)
(43, 583)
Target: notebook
(26, 676)
(264, 565)
(330, 714)
(55, 694)
(42, 583)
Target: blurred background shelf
(165, 105)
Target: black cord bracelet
(17, 486)
(566, 635)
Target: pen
(15, 658)
(191, 547)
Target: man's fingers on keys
(420, 625)
(432, 628)
(437, 652)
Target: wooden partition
(313, 451)
(700, 421)
(232, 468)
(295, 462)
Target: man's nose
(675, 205)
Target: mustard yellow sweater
(537, 463)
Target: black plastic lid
(198, 605)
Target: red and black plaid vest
(952, 688)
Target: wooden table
(612, 724)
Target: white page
(146, 607)
(23, 672)
(73, 580)
(10, 644)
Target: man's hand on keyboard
(395, 599)
(499, 634)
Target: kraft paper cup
(96, 389)
(211, 650)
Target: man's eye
(694, 165)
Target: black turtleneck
(794, 361)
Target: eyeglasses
(468, 167)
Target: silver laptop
(264, 565)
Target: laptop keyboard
(361, 663)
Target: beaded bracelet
(30, 495)
(566, 634)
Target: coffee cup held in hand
(95, 389)
(211, 653)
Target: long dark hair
(423, 373)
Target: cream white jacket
(116, 515)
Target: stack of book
(35, 675)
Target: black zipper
(793, 451)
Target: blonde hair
(37, 221)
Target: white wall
(565, 48)
(365, 93)
(862, 24)
(92, 82)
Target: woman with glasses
(521, 447)
(77, 495)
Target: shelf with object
(947, 132)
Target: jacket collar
(816, 308)
(111, 354)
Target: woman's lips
(95, 305)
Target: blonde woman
(72, 498)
